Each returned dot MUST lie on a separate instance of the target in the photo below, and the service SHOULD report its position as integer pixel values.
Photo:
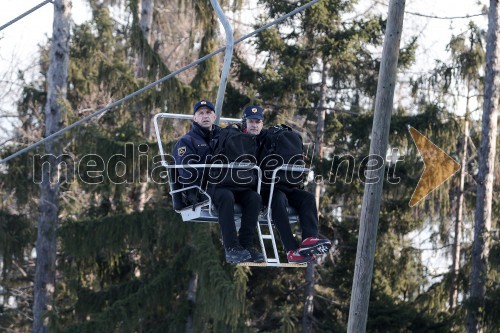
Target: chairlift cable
(25, 14)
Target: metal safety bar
(190, 116)
(232, 165)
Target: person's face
(204, 117)
(254, 126)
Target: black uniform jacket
(196, 147)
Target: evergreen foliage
(15, 234)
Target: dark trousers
(251, 203)
(305, 205)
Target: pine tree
(486, 154)
(469, 59)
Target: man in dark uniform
(303, 202)
(197, 146)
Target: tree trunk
(191, 298)
(457, 243)
(46, 245)
(484, 197)
(363, 270)
(145, 23)
(308, 315)
(320, 130)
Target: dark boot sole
(320, 248)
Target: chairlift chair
(205, 211)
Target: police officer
(303, 202)
(197, 146)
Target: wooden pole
(486, 175)
(363, 270)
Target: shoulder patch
(181, 150)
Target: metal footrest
(267, 237)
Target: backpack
(281, 145)
(234, 146)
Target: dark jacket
(260, 142)
(269, 156)
(260, 138)
(196, 147)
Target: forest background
(126, 262)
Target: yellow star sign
(438, 166)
